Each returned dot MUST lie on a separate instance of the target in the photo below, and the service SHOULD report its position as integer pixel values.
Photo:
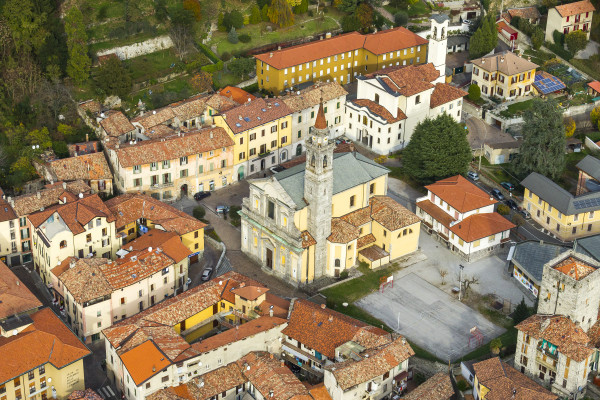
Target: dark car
(508, 186)
(201, 195)
(512, 204)
(497, 194)
(277, 169)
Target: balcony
(162, 185)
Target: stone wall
(139, 49)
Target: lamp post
(460, 281)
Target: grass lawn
(304, 26)
(590, 67)
(572, 159)
(516, 109)
(222, 79)
(508, 339)
(152, 65)
(538, 56)
(418, 9)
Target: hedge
(209, 53)
(251, 88)
(559, 50)
(212, 68)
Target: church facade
(319, 218)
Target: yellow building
(41, 358)
(319, 218)
(504, 75)
(137, 213)
(340, 58)
(262, 132)
(561, 213)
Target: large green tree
(576, 40)
(543, 147)
(437, 149)
(241, 67)
(364, 13)
(79, 64)
(113, 78)
(280, 13)
(485, 38)
(27, 27)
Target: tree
(201, 82)
(294, 3)
(570, 127)
(194, 7)
(232, 36)
(595, 117)
(280, 13)
(255, 15)
(364, 13)
(576, 41)
(27, 27)
(79, 64)
(401, 18)
(199, 212)
(521, 312)
(233, 19)
(264, 13)
(182, 30)
(544, 141)
(301, 8)
(241, 67)
(503, 209)
(113, 78)
(484, 39)
(495, 345)
(350, 23)
(537, 37)
(438, 149)
(347, 6)
(474, 92)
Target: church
(329, 214)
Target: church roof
(321, 122)
(349, 170)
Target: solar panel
(586, 203)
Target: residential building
(530, 14)
(87, 394)
(91, 168)
(319, 218)
(439, 386)
(570, 17)
(593, 89)
(262, 132)
(501, 152)
(114, 124)
(87, 147)
(339, 59)
(589, 175)
(507, 34)
(137, 213)
(24, 205)
(78, 227)
(175, 166)
(9, 223)
(504, 75)
(559, 212)
(15, 299)
(462, 215)
(495, 379)
(192, 334)
(305, 105)
(391, 102)
(96, 292)
(240, 96)
(558, 344)
(41, 358)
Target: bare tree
(443, 272)
(468, 281)
(182, 37)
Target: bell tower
(438, 44)
(318, 188)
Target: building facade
(503, 75)
(568, 18)
(9, 223)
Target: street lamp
(460, 281)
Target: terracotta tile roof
(204, 387)
(479, 226)
(506, 62)
(438, 387)
(86, 167)
(51, 195)
(6, 211)
(525, 12)
(373, 363)
(390, 214)
(84, 280)
(380, 110)
(240, 332)
(221, 103)
(359, 217)
(595, 85)
(91, 105)
(135, 266)
(323, 329)
(574, 268)
(46, 340)
(250, 292)
(505, 382)
(257, 112)
(342, 231)
(559, 330)
(436, 213)
(461, 194)
(377, 43)
(280, 306)
(168, 242)
(444, 93)
(365, 240)
(269, 375)
(15, 298)
(172, 147)
(307, 239)
(75, 214)
(578, 7)
(87, 394)
(84, 148)
(311, 96)
(373, 253)
(319, 392)
(155, 117)
(116, 124)
(407, 80)
(160, 131)
(190, 108)
(144, 361)
(503, 26)
(130, 207)
(238, 95)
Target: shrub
(558, 37)
(496, 344)
(311, 13)
(537, 37)
(559, 50)
(212, 68)
(462, 385)
(209, 53)
(474, 92)
(401, 18)
(245, 38)
(233, 19)
(232, 36)
(344, 274)
(226, 56)
(503, 209)
(252, 88)
(199, 212)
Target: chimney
(270, 55)
(39, 195)
(243, 284)
(270, 312)
(212, 135)
(18, 283)
(64, 185)
(331, 318)
(323, 306)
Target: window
(63, 244)
(153, 166)
(183, 160)
(17, 382)
(137, 182)
(418, 99)
(42, 370)
(271, 210)
(273, 144)
(166, 164)
(352, 200)
(283, 140)
(183, 173)
(284, 125)
(242, 155)
(274, 129)
(252, 152)
(252, 136)
(137, 169)
(88, 237)
(372, 188)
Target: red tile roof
(380, 110)
(255, 113)
(144, 361)
(6, 211)
(116, 124)
(50, 195)
(479, 226)
(525, 12)
(578, 7)
(461, 194)
(168, 242)
(408, 80)
(238, 95)
(438, 387)
(87, 394)
(342, 231)
(574, 268)
(250, 292)
(444, 93)
(15, 298)
(595, 85)
(86, 167)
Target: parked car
(276, 169)
(525, 214)
(473, 175)
(497, 194)
(201, 195)
(222, 209)
(206, 274)
(508, 186)
(512, 204)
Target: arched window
(435, 32)
(63, 244)
(299, 150)
(313, 161)
(324, 161)
(337, 262)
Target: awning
(295, 353)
